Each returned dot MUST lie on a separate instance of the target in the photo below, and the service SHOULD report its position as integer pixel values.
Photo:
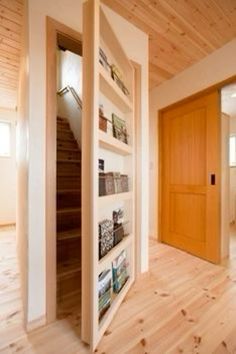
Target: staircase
(68, 212)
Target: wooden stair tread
(69, 161)
(70, 139)
(69, 235)
(60, 148)
(64, 191)
(69, 174)
(68, 210)
(65, 269)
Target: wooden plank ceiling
(10, 47)
(181, 32)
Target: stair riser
(63, 125)
(68, 221)
(68, 200)
(67, 144)
(68, 249)
(68, 182)
(68, 155)
(65, 168)
(65, 135)
(68, 285)
(62, 120)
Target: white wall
(233, 174)
(215, 68)
(8, 174)
(136, 44)
(70, 74)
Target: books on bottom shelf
(119, 272)
(104, 292)
(111, 283)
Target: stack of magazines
(104, 292)
(119, 272)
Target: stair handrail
(71, 89)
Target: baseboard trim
(35, 324)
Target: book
(119, 128)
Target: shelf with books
(108, 167)
(109, 88)
(114, 252)
(108, 142)
(115, 303)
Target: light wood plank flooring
(183, 305)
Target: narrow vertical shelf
(111, 88)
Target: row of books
(115, 279)
(112, 182)
(111, 232)
(114, 71)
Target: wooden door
(190, 176)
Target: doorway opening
(68, 179)
(228, 146)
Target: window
(232, 151)
(5, 139)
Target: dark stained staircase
(68, 212)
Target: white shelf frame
(112, 91)
(114, 198)
(97, 79)
(112, 144)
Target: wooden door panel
(188, 215)
(190, 145)
(186, 149)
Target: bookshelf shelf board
(112, 198)
(110, 143)
(110, 89)
(116, 301)
(114, 252)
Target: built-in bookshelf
(119, 157)
(113, 91)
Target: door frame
(217, 86)
(53, 29)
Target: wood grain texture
(190, 205)
(183, 305)
(180, 32)
(11, 24)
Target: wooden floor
(183, 305)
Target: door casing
(54, 29)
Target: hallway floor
(183, 305)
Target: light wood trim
(89, 170)
(22, 205)
(53, 28)
(137, 152)
(159, 175)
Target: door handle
(213, 179)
